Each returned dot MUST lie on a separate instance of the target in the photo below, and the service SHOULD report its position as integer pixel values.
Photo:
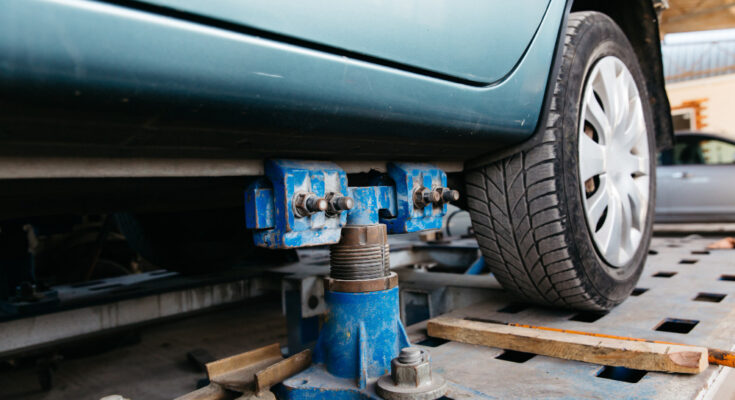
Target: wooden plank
(281, 370)
(212, 391)
(606, 351)
(238, 372)
(229, 364)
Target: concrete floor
(157, 366)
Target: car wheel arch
(646, 44)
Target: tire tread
(518, 218)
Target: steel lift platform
(686, 295)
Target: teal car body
(415, 80)
(449, 79)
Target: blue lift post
(302, 204)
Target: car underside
(159, 125)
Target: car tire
(536, 223)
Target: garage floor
(156, 366)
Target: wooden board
(238, 372)
(212, 391)
(281, 370)
(614, 352)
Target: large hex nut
(423, 197)
(411, 380)
(305, 204)
(410, 375)
(336, 203)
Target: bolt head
(450, 195)
(336, 203)
(305, 204)
(299, 204)
(320, 205)
(422, 197)
(346, 203)
(411, 375)
(411, 381)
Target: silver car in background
(696, 179)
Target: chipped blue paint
(259, 205)
(362, 333)
(284, 229)
(369, 201)
(407, 178)
(269, 202)
(315, 383)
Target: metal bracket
(271, 204)
(410, 181)
(306, 203)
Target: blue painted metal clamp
(306, 203)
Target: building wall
(720, 105)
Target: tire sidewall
(599, 37)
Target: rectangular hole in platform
(587, 316)
(515, 356)
(664, 274)
(652, 252)
(730, 278)
(700, 252)
(621, 374)
(513, 308)
(688, 261)
(710, 297)
(489, 321)
(677, 325)
(639, 291)
(432, 342)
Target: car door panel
(478, 41)
(698, 191)
(185, 78)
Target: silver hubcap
(614, 161)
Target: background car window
(718, 152)
(698, 151)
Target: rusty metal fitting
(336, 203)
(305, 204)
(411, 378)
(424, 196)
(362, 253)
(446, 195)
(362, 286)
(410, 355)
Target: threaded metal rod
(366, 262)
(410, 355)
(361, 254)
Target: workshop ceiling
(698, 15)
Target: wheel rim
(614, 161)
